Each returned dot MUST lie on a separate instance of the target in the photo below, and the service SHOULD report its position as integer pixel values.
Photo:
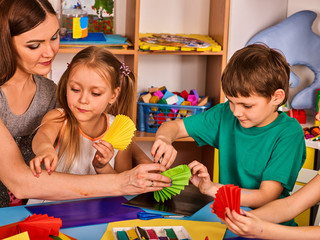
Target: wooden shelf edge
(150, 137)
(114, 51)
(179, 53)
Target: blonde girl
(95, 87)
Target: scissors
(148, 216)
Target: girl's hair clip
(125, 69)
(68, 65)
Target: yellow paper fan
(120, 132)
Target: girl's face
(88, 94)
(38, 47)
(254, 111)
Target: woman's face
(38, 47)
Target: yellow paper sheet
(20, 236)
(198, 230)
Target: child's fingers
(32, 168)
(37, 165)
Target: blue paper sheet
(88, 211)
(95, 38)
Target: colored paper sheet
(20, 236)
(196, 229)
(88, 211)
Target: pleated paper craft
(120, 132)
(180, 176)
(227, 196)
(37, 226)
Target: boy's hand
(201, 179)
(163, 152)
(104, 154)
(50, 161)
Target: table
(14, 214)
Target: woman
(29, 40)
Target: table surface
(14, 214)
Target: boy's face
(253, 111)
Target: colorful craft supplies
(122, 235)
(158, 93)
(195, 93)
(167, 94)
(146, 97)
(172, 99)
(192, 99)
(38, 226)
(173, 104)
(152, 234)
(132, 235)
(184, 94)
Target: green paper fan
(180, 176)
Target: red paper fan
(38, 227)
(227, 196)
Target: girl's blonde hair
(109, 68)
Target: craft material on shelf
(177, 42)
(96, 38)
(180, 176)
(120, 132)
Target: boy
(260, 149)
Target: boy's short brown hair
(256, 69)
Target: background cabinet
(176, 70)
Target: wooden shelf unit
(216, 61)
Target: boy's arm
(254, 198)
(162, 149)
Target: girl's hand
(201, 179)
(163, 152)
(245, 225)
(50, 161)
(104, 154)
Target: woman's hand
(104, 154)
(163, 152)
(143, 178)
(49, 159)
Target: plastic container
(150, 116)
(74, 24)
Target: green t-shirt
(248, 156)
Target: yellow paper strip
(20, 236)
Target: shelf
(207, 53)
(150, 137)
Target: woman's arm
(16, 175)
